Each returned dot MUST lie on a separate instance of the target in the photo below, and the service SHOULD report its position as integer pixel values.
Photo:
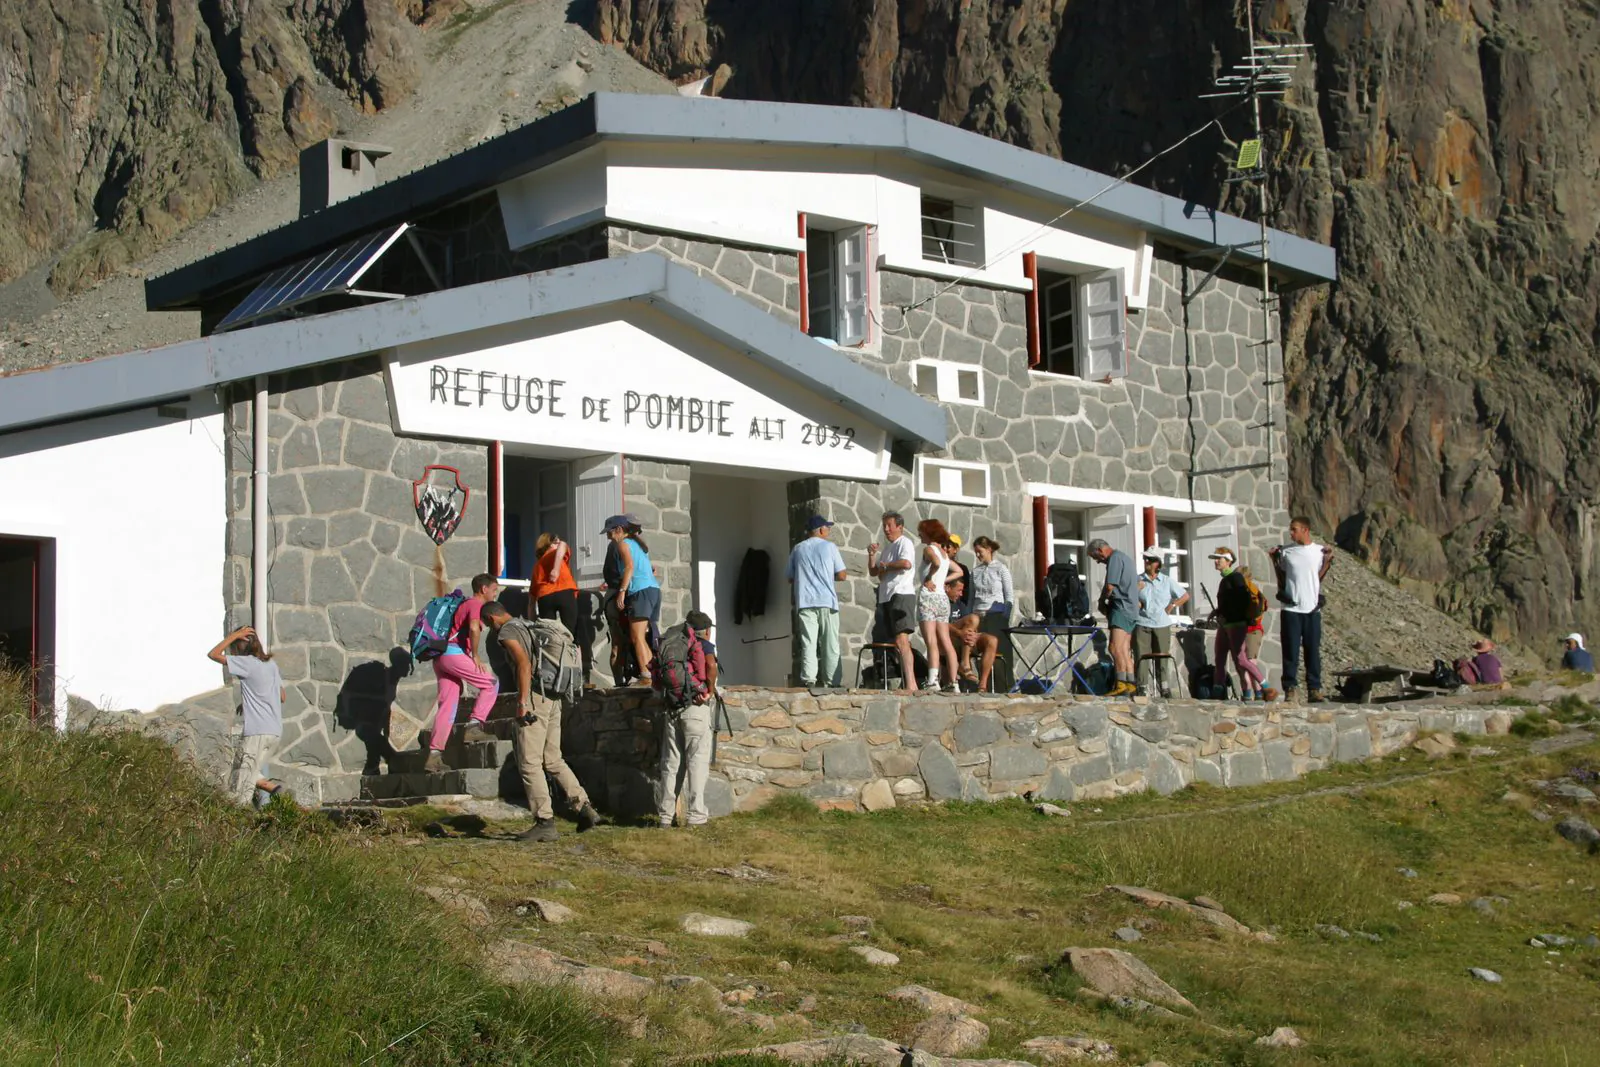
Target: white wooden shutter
(1114, 525)
(597, 494)
(1104, 321)
(851, 264)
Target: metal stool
(1155, 667)
(880, 656)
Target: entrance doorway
(734, 520)
(27, 616)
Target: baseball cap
(699, 620)
(1151, 553)
(1223, 553)
(817, 522)
(625, 519)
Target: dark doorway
(24, 640)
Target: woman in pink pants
(460, 663)
(1237, 608)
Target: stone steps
(477, 782)
(481, 755)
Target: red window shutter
(805, 285)
(1041, 541)
(1030, 269)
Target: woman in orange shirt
(554, 593)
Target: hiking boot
(1315, 696)
(541, 830)
(1166, 693)
(1123, 689)
(434, 764)
(476, 734)
(588, 818)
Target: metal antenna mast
(1265, 71)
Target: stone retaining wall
(873, 750)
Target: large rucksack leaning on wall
(557, 664)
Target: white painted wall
(136, 504)
(752, 197)
(730, 516)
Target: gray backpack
(557, 666)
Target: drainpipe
(260, 528)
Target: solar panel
(336, 271)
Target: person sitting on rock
(513, 652)
(1483, 667)
(1576, 657)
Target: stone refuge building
(722, 316)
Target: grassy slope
(143, 920)
(979, 900)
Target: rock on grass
(516, 963)
(1282, 1037)
(715, 925)
(932, 1002)
(949, 1035)
(1067, 1050)
(875, 956)
(1116, 973)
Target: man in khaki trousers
(538, 736)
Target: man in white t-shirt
(1300, 566)
(896, 617)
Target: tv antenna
(1265, 71)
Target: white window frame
(962, 244)
(1108, 319)
(1078, 547)
(846, 280)
(947, 379)
(924, 464)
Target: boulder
(467, 906)
(549, 911)
(875, 956)
(1059, 1050)
(715, 925)
(1578, 831)
(949, 1035)
(932, 1002)
(1282, 1037)
(517, 963)
(1150, 898)
(858, 1050)
(1121, 974)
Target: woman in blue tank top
(639, 593)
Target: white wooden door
(597, 495)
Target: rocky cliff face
(1443, 395)
(137, 117)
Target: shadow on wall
(364, 704)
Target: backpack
(1258, 600)
(430, 636)
(678, 671)
(557, 667)
(1063, 598)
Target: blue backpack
(431, 634)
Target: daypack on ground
(678, 672)
(557, 667)
(430, 636)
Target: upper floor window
(1082, 325)
(836, 284)
(950, 232)
(952, 481)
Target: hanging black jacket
(750, 595)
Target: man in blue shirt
(814, 567)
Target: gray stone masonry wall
(874, 750)
(1132, 435)
(350, 565)
(658, 493)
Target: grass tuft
(144, 919)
